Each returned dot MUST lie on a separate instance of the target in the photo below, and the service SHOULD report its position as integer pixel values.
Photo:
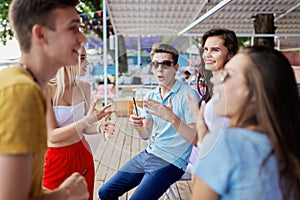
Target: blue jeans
(152, 174)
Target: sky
(10, 51)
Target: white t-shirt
(215, 125)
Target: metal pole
(117, 65)
(205, 16)
(104, 51)
(139, 51)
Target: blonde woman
(69, 117)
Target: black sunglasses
(164, 64)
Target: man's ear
(38, 34)
(176, 67)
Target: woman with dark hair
(258, 153)
(218, 36)
(219, 46)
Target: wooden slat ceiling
(169, 17)
(238, 16)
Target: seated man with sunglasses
(170, 123)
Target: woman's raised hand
(95, 114)
(107, 127)
(202, 128)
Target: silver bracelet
(98, 128)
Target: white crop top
(68, 114)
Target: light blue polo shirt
(167, 143)
(236, 167)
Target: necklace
(30, 72)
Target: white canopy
(172, 17)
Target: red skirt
(61, 162)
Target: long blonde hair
(65, 77)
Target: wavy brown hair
(230, 42)
(272, 83)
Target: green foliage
(92, 21)
(85, 7)
(5, 31)
(93, 4)
(244, 41)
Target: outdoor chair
(186, 176)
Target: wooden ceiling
(173, 17)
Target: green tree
(85, 6)
(5, 31)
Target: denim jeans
(152, 175)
